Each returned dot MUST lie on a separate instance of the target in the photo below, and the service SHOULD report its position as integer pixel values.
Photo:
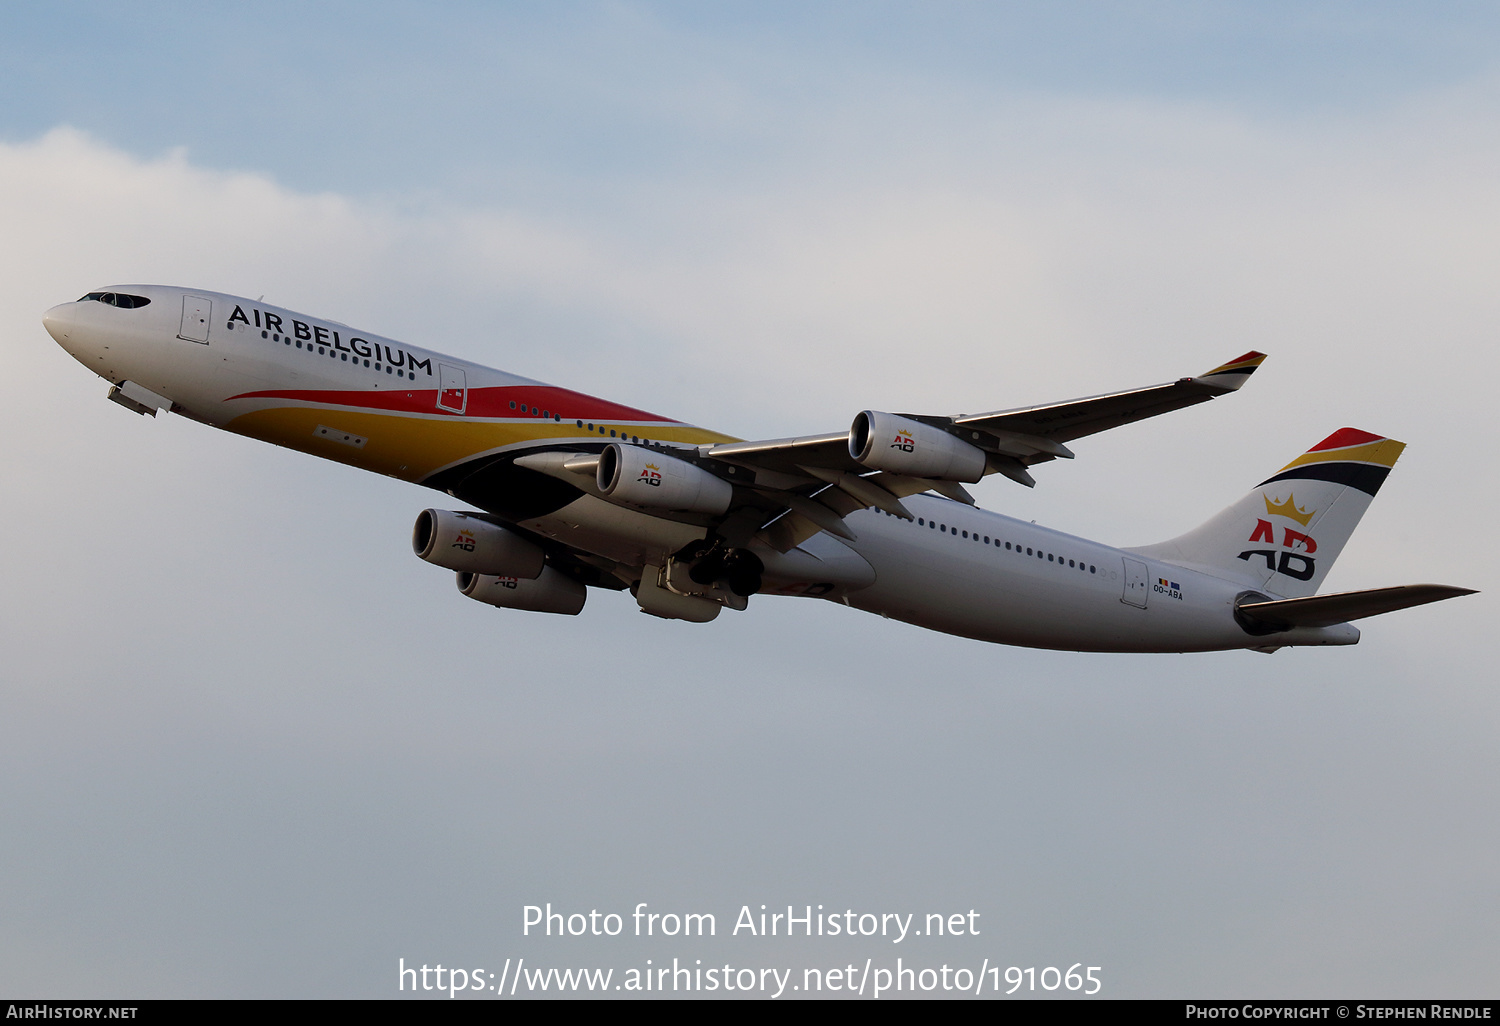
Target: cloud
(251, 746)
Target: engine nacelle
(550, 592)
(642, 477)
(468, 544)
(884, 441)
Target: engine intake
(643, 477)
(468, 544)
(884, 441)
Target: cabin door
(1136, 587)
(453, 396)
(196, 313)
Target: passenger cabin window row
(612, 433)
(536, 411)
(1017, 548)
(120, 299)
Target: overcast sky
(251, 746)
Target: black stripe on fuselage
(1365, 477)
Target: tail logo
(1288, 509)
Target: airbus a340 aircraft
(572, 492)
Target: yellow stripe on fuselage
(411, 448)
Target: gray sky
(250, 746)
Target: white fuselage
(1046, 590)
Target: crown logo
(1289, 509)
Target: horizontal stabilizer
(1327, 610)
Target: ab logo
(1295, 558)
(904, 442)
(465, 541)
(651, 475)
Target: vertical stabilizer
(1283, 537)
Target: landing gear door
(453, 395)
(196, 313)
(1136, 587)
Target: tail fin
(1283, 537)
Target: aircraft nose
(59, 322)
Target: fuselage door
(196, 313)
(452, 393)
(1136, 587)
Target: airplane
(572, 493)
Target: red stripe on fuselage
(483, 402)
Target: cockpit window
(120, 299)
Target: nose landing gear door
(452, 394)
(196, 313)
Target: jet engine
(550, 592)
(468, 544)
(644, 477)
(884, 441)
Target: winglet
(1233, 374)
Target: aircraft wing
(819, 482)
(1065, 421)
